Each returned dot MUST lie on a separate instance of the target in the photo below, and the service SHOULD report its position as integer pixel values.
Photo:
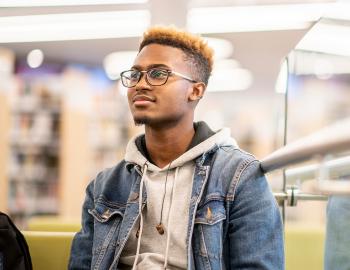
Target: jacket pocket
(210, 213)
(107, 219)
(208, 233)
(103, 214)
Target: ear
(197, 91)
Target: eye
(159, 74)
(134, 75)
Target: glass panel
(318, 97)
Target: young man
(184, 197)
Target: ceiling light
(254, 18)
(222, 47)
(73, 26)
(116, 62)
(52, 3)
(35, 58)
(231, 79)
(225, 64)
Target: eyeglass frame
(169, 72)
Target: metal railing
(331, 140)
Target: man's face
(165, 104)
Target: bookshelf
(34, 141)
(59, 129)
(4, 146)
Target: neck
(166, 144)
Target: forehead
(159, 54)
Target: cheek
(130, 93)
(175, 101)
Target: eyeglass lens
(154, 77)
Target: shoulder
(240, 169)
(234, 159)
(227, 167)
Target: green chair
(304, 248)
(53, 224)
(49, 250)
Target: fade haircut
(195, 49)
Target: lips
(142, 98)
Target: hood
(221, 137)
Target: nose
(142, 84)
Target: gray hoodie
(146, 248)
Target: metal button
(209, 214)
(106, 214)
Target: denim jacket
(243, 231)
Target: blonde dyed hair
(196, 50)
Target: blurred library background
(64, 114)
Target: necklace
(160, 227)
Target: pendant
(160, 228)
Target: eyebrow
(151, 66)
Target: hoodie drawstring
(168, 225)
(145, 167)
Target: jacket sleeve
(255, 226)
(81, 250)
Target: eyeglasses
(154, 76)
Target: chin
(146, 120)
(156, 122)
(143, 120)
